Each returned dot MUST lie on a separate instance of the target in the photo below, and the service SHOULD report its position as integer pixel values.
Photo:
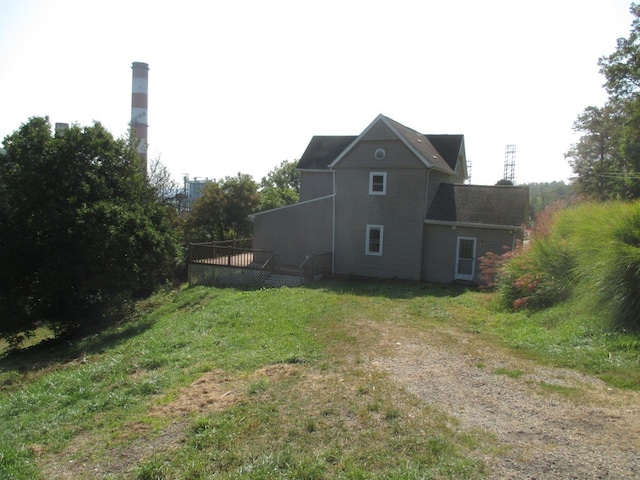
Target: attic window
(379, 154)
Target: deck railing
(261, 262)
(316, 265)
(216, 254)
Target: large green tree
(242, 196)
(82, 230)
(594, 159)
(606, 159)
(222, 212)
(280, 187)
(622, 67)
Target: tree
(206, 220)
(606, 160)
(596, 153)
(82, 231)
(168, 191)
(547, 194)
(622, 67)
(280, 187)
(222, 212)
(242, 200)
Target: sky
(240, 86)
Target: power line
(620, 175)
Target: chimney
(139, 101)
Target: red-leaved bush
(534, 275)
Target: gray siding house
(392, 203)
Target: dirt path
(554, 423)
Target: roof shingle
(322, 150)
(490, 205)
(440, 151)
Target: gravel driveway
(554, 423)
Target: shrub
(536, 277)
(607, 248)
(623, 278)
(490, 266)
(591, 249)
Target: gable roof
(322, 150)
(435, 151)
(449, 146)
(478, 204)
(419, 144)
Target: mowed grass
(295, 398)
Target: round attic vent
(380, 154)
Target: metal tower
(510, 163)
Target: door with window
(465, 258)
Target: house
(392, 203)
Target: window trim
(368, 250)
(384, 183)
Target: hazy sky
(239, 86)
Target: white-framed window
(377, 183)
(375, 234)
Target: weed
(152, 469)
(392, 414)
(311, 426)
(561, 389)
(374, 407)
(516, 373)
(258, 387)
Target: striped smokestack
(139, 101)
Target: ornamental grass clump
(606, 244)
(623, 281)
(537, 276)
(591, 250)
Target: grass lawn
(281, 388)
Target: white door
(465, 258)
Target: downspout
(426, 195)
(424, 217)
(333, 221)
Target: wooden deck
(211, 263)
(242, 260)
